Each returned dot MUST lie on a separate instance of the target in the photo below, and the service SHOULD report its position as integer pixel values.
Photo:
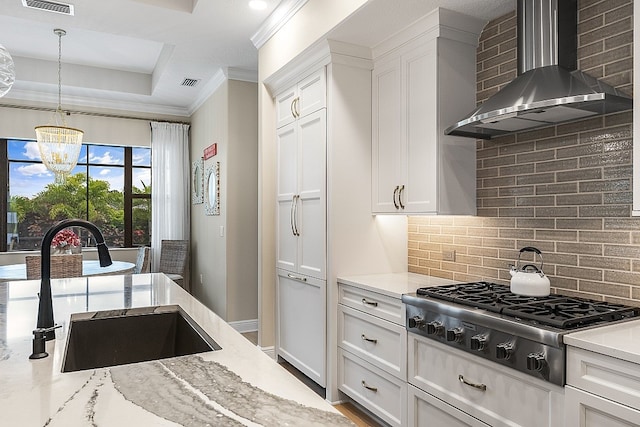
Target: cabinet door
(310, 211)
(311, 94)
(387, 149)
(287, 186)
(301, 316)
(285, 107)
(419, 83)
(428, 411)
(584, 409)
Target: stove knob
(416, 322)
(435, 328)
(536, 362)
(478, 342)
(504, 350)
(455, 334)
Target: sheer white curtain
(170, 179)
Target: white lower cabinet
(588, 410)
(301, 323)
(601, 391)
(372, 352)
(373, 388)
(481, 389)
(428, 411)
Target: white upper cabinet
(423, 81)
(304, 98)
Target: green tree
(105, 208)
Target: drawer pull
(478, 386)
(364, 337)
(368, 387)
(371, 303)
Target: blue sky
(29, 179)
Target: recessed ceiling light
(258, 4)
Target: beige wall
(19, 123)
(224, 267)
(564, 189)
(309, 25)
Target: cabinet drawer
(588, 410)
(376, 390)
(382, 343)
(379, 305)
(604, 376)
(427, 411)
(510, 398)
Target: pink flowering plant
(65, 239)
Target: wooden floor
(349, 410)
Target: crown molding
(72, 102)
(282, 13)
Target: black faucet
(45, 306)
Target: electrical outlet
(201, 278)
(448, 255)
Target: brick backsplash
(564, 189)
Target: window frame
(128, 194)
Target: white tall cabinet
(422, 82)
(322, 134)
(301, 251)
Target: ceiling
(133, 55)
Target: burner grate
(553, 310)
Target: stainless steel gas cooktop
(524, 333)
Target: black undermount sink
(118, 337)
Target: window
(110, 186)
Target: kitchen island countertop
(237, 385)
(394, 284)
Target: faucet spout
(45, 305)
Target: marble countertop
(237, 385)
(394, 284)
(621, 340)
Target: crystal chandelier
(7, 71)
(59, 144)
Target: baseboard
(243, 326)
(269, 351)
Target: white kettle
(529, 280)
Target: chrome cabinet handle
(371, 303)
(291, 213)
(292, 107)
(295, 215)
(294, 277)
(395, 193)
(481, 387)
(400, 196)
(368, 387)
(364, 337)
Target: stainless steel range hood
(548, 89)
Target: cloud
(104, 171)
(105, 159)
(34, 170)
(31, 150)
(141, 159)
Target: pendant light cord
(60, 34)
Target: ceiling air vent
(49, 6)
(189, 82)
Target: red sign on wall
(210, 151)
